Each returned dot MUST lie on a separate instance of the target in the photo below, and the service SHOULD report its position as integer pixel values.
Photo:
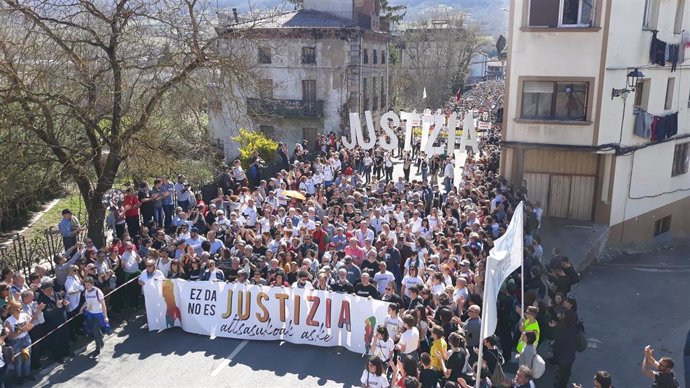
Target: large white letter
(355, 129)
(452, 124)
(469, 135)
(371, 130)
(410, 119)
(387, 130)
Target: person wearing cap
(54, 313)
(69, 229)
(472, 327)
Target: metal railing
(21, 254)
(285, 108)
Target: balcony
(284, 108)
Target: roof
(298, 19)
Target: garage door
(559, 196)
(565, 196)
(538, 188)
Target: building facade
(587, 151)
(313, 67)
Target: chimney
(234, 14)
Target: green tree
(90, 80)
(391, 15)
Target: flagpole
(482, 333)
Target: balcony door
(309, 90)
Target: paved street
(628, 303)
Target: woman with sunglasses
(373, 376)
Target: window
(375, 105)
(651, 14)
(680, 10)
(375, 57)
(561, 13)
(309, 134)
(268, 130)
(309, 90)
(365, 56)
(264, 55)
(680, 159)
(547, 100)
(383, 94)
(576, 13)
(266, 89)
(383, 57)
(670, 84)
(642, 94)
(662, 225)
(308, 55)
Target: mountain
(492, 15)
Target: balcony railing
(285, 108)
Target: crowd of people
(331, 219)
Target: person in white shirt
(383, 346)
(95, 314)
(73, 289)
(303, 281)
(163, 262)
(383, 277)
(374, 376)
(363, 233)
(18, 324)
(150, 274)
(250, 214)
(409, 339)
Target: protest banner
(233, 310)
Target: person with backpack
(95, 314)
(529, 356)
(565, 345)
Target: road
(633, 301)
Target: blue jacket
(207, 275)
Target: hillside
(492, 15)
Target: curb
(594, 252)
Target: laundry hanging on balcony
(664, 127)
(661, 53)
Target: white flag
(504, 258)
(424, 94)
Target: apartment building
(312, 66)
(596, 112)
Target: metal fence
(21, 254)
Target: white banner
(234, 310)
(504, 258)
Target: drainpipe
(361, 70)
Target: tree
(91, 80)
(435, 54)
(391, 15)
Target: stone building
(312, 66)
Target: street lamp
(633, 77)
